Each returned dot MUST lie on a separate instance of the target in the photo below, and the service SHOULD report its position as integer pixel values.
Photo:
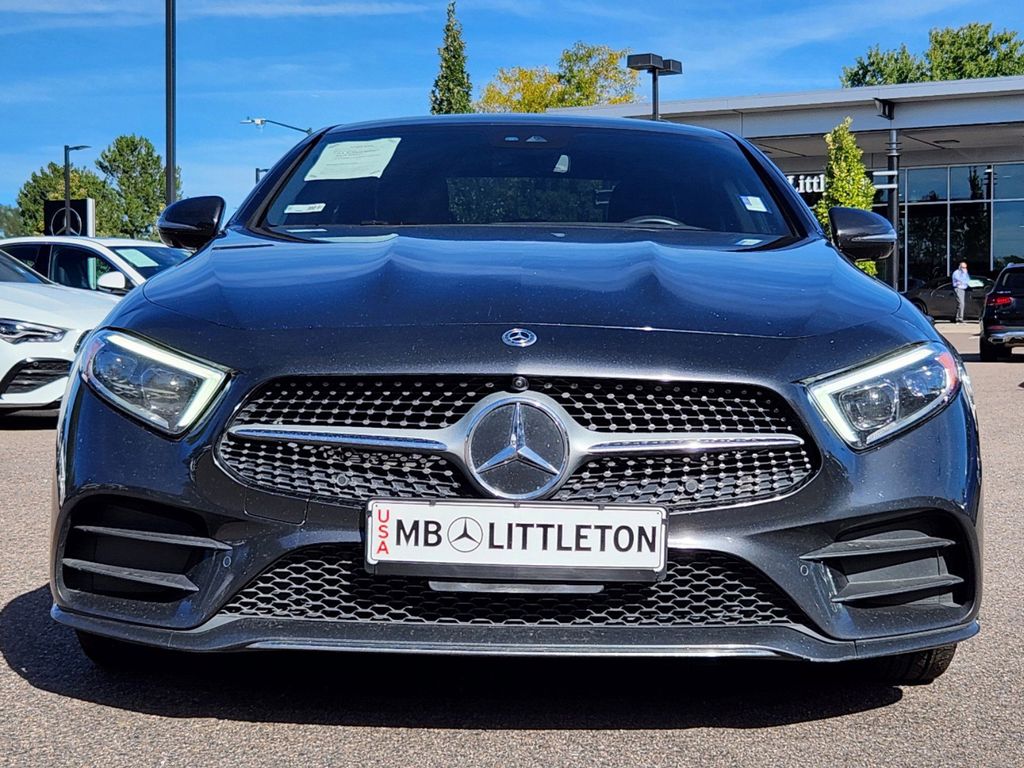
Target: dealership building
(961, 158)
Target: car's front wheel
(989, 353)
(919, 668)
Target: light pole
(259, 173)
(887, 109)
(261, 121)
(657, 66)
(170, 185)
(68, 149)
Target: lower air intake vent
(914, 561)
(329, 583)
(121, 549)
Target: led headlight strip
(891, 372)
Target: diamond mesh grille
(606, 405)
(679, 482)
(329, 583)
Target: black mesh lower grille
(33, 374)
(329, 583)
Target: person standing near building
(961, 284)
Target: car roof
(107, 242)
(571, 121)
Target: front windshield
(150, 259)
(11, 271)
(447, 174)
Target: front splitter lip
(236, 633)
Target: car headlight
(17, 331)
(873, 402)
(159, 386)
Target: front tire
(989, 353)
(919, 668)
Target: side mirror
(112, 282)
(191, 223)
(861, 235)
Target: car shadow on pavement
(436, 692)
(28, 420)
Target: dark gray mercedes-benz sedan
(521, 386)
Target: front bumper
(929, 474)
(18, 359)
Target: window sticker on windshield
(305, 207)
(353, 160)
(747, 241)
(753, 203)
(562, 166)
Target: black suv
(1002, 322)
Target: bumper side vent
(907, 562)
(121, 549)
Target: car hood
(54, 305)
(558, 278)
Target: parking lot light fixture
(261, 121)
(68, 149)
(657, 66)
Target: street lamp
(656, 65)
(261, 121)
(170, 171)
(260, 172)
(68, 149)
(887, 110)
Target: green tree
(48, 184)
(970, 51)
(846, 178)
(451, 94)
(880, 67)
(11, 224)
(974, 51)
(586, 75)
(135, 173)
(593, 74)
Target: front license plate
(516, 540)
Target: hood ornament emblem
(519, 337)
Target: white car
(41, 326)
(113, 265)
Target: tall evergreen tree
(846, 178)
(135, 172)
(452, 90)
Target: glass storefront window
(1008, 234)
(968, 182)
(926, 241)
(926, 185)
(1009, 181)
(970, 228)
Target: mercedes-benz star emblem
(518, 449)
(519, 337)
(465, 534)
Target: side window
(32, 255)
(77, 267)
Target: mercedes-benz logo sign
(465, 534)
(517, 449)
(519, 337)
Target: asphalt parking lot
(316, 710)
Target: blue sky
(84, 71)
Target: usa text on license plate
(507, 540)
